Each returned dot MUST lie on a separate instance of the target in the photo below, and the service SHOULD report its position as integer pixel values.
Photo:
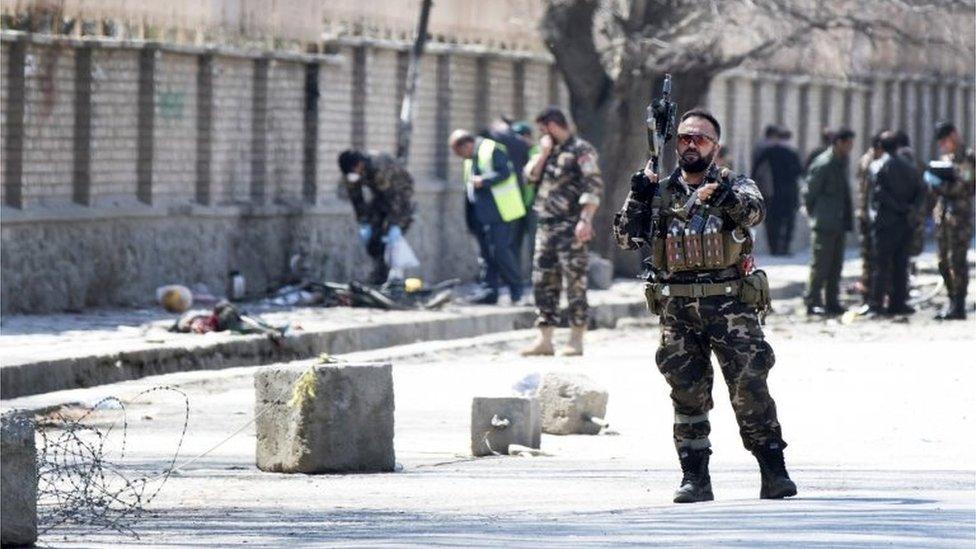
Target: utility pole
(405, 126)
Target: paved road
(877, 415)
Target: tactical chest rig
(688, 235)
(697, 250)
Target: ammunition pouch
(652, 294)
(695, 252)
(754, 291)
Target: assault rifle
(660, 120)
(660, 124)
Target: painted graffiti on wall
(170, 104)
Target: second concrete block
(498, 422)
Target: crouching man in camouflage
(701, 283)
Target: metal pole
(405, 126)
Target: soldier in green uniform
(828, 203)
(954, 217)
(388, 213)
(567, 175)
(863, 219)
(702, 284)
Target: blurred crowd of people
(897, 193)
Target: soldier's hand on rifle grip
(642, 184)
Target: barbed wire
(80, 480)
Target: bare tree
(613, 53)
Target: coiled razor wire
(81, 482)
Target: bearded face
(696, 144)
(694, 162)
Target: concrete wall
(128, 165)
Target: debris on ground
(395, 294)
(225, 317)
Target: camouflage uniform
(863, 219)
(694, 327)
(571, 178)
(391, 203)
(954, 219)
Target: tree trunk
(621, 140)
(610, 113)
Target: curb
(256, 350)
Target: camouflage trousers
(692, 329)
(559, 256)
(954, 234)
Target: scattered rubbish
(296, 295)
(525, 451)
(413, 284)
(395, 294)
(400, 256)
(236, 287)
(226, 317)
(528, 385)
(174, 298)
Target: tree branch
(567, 28)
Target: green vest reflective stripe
(507, 195)
(529, 190)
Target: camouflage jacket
(745, 209)
(570, 179)
(864, 186)
(391, 187)
(956, 198)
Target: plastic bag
(399, 256)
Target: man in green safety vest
(494, 203)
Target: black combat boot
(776, 483)
(696, 484)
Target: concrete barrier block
(599, 272)
(569, 401)
(498, 422)
(326, 418)
(18, 481)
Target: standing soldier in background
(863, 217)
(828, 203)
(389, 212)
(702, 285)
(567, 175)
(954, 216)
(826, 140)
